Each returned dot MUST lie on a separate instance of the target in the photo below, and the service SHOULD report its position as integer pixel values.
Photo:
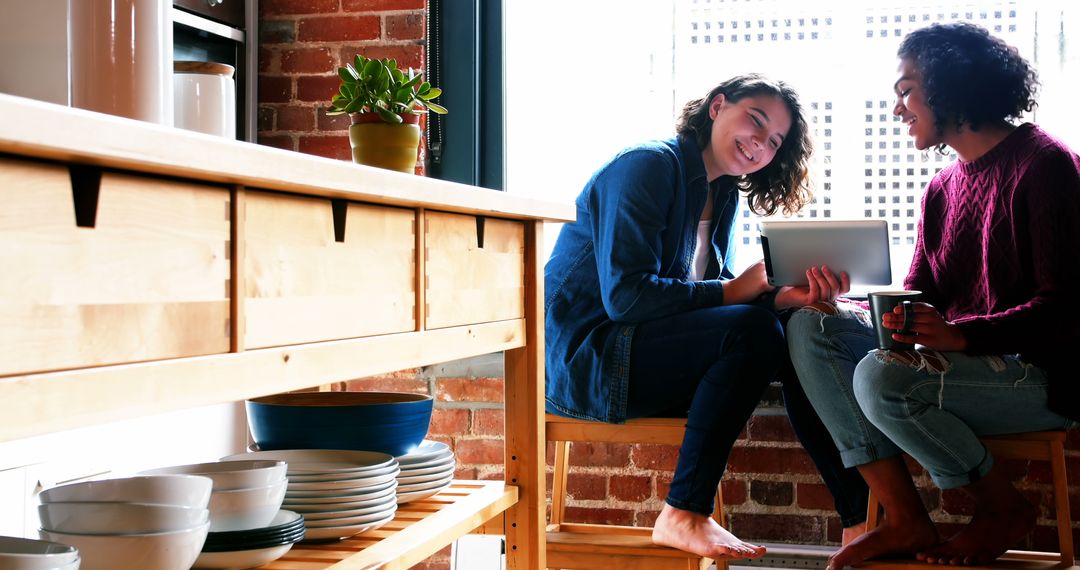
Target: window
(582, 84)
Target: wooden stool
(1039, 445)
(584, 546)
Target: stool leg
(873, 511)
(1061, 502)
(558, 482)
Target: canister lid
(204, 67)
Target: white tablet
(860, 247)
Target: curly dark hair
(970, 78)
(784, 182)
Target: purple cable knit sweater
(999, 254)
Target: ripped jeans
(931, 405)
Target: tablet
(860, 247)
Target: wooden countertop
(55, 132)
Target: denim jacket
(627, 260)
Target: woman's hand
(927, 328)
(749, 285)
(824, 285)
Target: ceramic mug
(882, 302)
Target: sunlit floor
(788, 556)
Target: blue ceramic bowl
(387, 422)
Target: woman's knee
(761, 329)
(882, 386)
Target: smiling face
(912, 108)
(746, 134)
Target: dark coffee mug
(882, 302)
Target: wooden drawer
(467, 283)
(149, 280)
(301, 285)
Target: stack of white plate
(425, 471)
(339, 493)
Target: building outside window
(582, 84)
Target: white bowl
(229, 475)
(28, 554)
(184, 490)
(245, 509)
(119, 518)
(176, 550)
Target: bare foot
(701, 535)
(885, 540)
(852, 532)
(989, 534)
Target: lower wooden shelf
(420, 529)
(1011, 560)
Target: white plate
(241, 558)
(427, 450)
(425, 468)
(425, 485)
(332, 510)
(345, 460)
(403, 498)
(336, 532)
(343, 513)
(353, 520)
(341, 499)
(316, 476)
(413, 479)
(354, 484)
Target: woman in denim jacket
(644, 316)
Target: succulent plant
(378, 86)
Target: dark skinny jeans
(712, 366)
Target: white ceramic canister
(121, 57)
(205, 97)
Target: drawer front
(469, 284)
(301, 285)
(148, 281)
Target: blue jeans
(931, 405)
(712, 365)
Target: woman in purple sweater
(998, 262)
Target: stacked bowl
(26, 554)
(250, 548)
(246, 494)
(425, 471)
(340, 493)
(148, 522)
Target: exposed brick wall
(301, 45)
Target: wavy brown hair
(784, 183)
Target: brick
(406, 55)
(496, 475)
(931, 498)
(381, 5)
(265, 118)
(277, 141)
(591, 454)
(488, 422)
(465, 472)
(585, 486)
(449, 421)
(318, 88)
(599, 516)
(814, 496)
(469, 390)
(308, 60)
(772, 493)
(780, 528)
(734, 491)
(648, 456)
(328, 146)
(295, 7)
(480, 451)
(663, 486)
(330, 122)
(770, 460)
(770, 428)
(631, 487)
(276, 32)
(275, 89)
(646, 518)
(338, 29)
(269, 61)
(295, 118)
(411, 385)
(834, 531)
(404, 27)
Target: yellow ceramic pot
(380, 144)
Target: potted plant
(385, 104)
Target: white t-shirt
(702, 251)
